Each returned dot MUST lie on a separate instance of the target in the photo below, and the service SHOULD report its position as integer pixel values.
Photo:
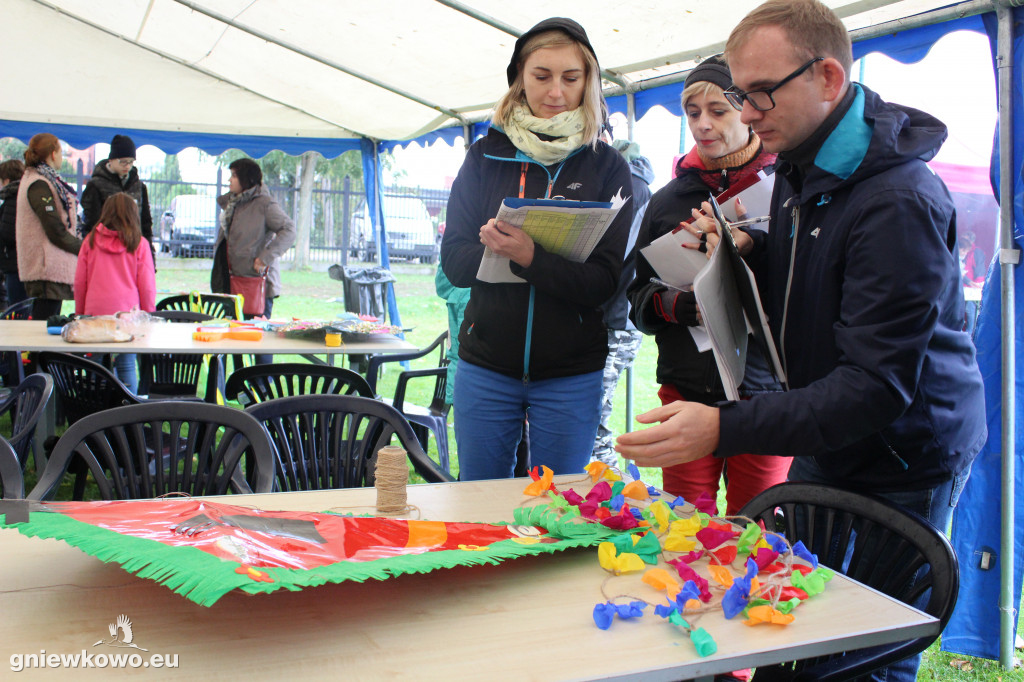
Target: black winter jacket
(8, 216)
(694, 374)
(885, 392)
(105, 183)
(567, 337)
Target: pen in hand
(750, 221)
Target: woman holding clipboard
(726, 153)
(535, 349)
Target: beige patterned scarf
(566, 128)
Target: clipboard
(750, 299)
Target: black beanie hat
(713, 70)
(122, 147)
(567, 26)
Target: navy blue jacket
(552, 326)
(885, 390)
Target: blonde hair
(595, 111)
(700, 88)
(813, 29)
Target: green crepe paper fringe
(204, 578)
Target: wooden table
(527, 619)
(176, 337)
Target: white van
(410, 231)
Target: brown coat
(259, 227)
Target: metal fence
(186, 216)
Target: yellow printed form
(570, 229)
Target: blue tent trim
(172, 142)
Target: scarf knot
(565, 128)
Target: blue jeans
(126, 371)
(489, 409)
(935, 504)
(15, 289)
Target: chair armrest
(428, 468)
(375, 361)
(403, 379)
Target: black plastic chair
(83, 388)
(182, 316)
(425, 420)
(259, 383)
(177, 375)
(331, 441)
(12, 482)
(22, 310)
(224, 306)
(893, 551)
(144, 451)
(25, 404)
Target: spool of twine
(391, 476)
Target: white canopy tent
(317, 74)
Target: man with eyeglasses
(116, 174)
(859, 278)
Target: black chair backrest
(181, 315)
(12, 483)
(26, 404)
(222, 306)
(331, 441)
(259, 383)
(22, 310)
(375, 362)
(148, 450)
(84, 386)
(170, 374)
(894, 551)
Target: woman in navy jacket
(535, 349)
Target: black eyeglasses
(762, 100)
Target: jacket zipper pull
(902, 462)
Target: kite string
(390, 477)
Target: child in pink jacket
(115, 272)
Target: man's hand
(705, 228)
(508, 241)
(687, 431)
(259, 266)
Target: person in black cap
(535, 348)
(116, 174)
(725, 152)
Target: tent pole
(1008, 258)
(630, 114)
